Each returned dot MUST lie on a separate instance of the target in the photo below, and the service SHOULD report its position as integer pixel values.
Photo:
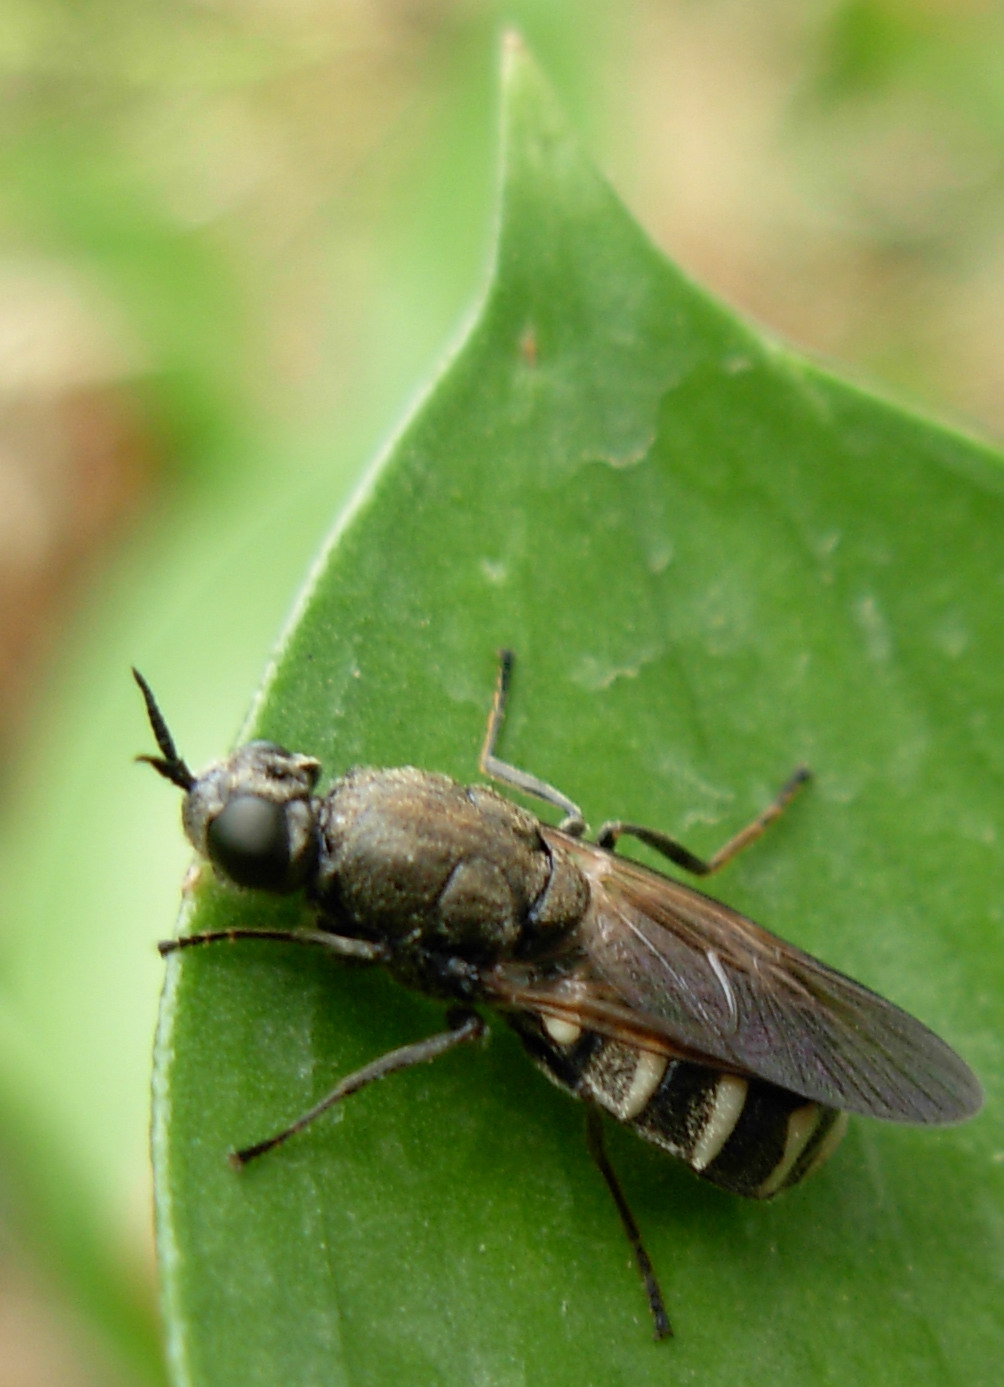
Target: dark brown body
(457, 881)
(447, 875)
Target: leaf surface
(714, 561)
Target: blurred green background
(235, 238)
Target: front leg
(489, 764)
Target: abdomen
(744, 1134)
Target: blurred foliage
(232, 239)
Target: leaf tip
(513, 45)
(518, 63)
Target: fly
(656, 1004)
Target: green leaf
(714, 561)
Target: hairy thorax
(422, 861)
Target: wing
(670, 969)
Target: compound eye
(249, 841)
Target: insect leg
(597, 1149)
(362, 950)
(495, 769)
(465, 1026)
(683, 857)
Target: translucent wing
(671, 969)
